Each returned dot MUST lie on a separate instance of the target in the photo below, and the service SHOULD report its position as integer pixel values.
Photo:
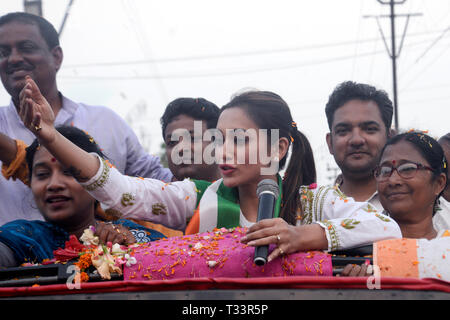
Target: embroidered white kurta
(347, 223)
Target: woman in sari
(411, 178)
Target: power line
(223, 73)
(432, 45)
(229, 72)
(426, 67)
(234, 54)
(410, 68)
(393, 53)
(136, 24)
(358, 38)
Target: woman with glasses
(411, 177)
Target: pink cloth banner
(217, 254)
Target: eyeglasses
(406, 170)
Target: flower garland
(107, 259)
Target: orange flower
(85, 261)
(84, 277)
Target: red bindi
(53, 160)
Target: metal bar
(29, 281)
(394, 65)
(383, 37)
(388, 2)
(66, 15)
(403, 37)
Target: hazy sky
(125, 53)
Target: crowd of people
(64, 170)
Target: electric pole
(393, 53)
(33, 7)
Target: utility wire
(410, 68)
(358, 38)
(232, 54)
(433, 44)
(136, 23)
(223, 73)
(229, 72)
(418, 75)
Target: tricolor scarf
(218, 207)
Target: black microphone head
(267, 185)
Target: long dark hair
(269, 111)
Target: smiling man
(185, 114)
(29, 46)
(359, 118)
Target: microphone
(267, 192)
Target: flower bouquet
(102, 259)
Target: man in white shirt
(29, 45)
(359, 117)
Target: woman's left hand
(114, 233)
(287, 238)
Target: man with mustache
(29, 46)
(359, 118)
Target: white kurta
(347, 223)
